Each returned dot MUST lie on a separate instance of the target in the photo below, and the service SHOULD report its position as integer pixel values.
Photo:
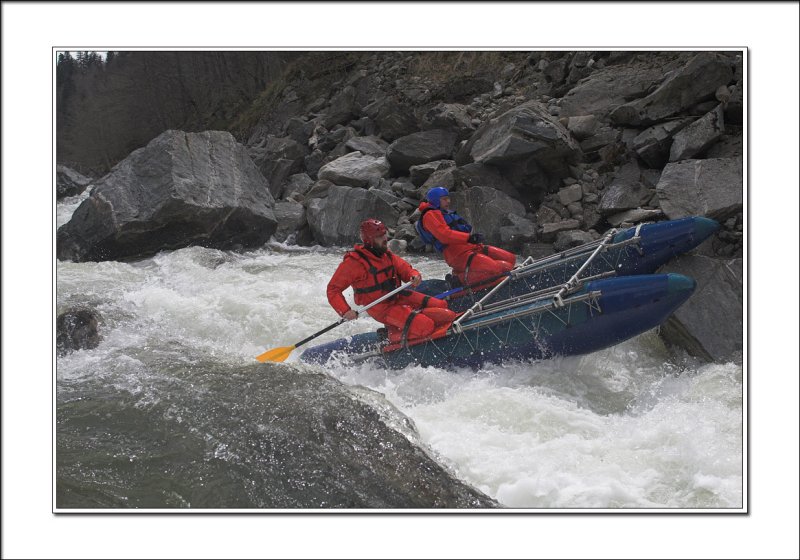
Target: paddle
(280, 354)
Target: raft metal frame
(552, 297)
(549, 307)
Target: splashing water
(633, 426)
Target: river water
(637, 426)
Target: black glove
(476, 238)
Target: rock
(394, 119)
(569, 239)
(421, 173)
(730, 145)
(300, 129)
(570, 194)
(76, 329)
(69, 182)
(354, 169)
(701, 187)
(603, 136)
(449, 116)
(342, 107)
(635, 216)
(627, 191)
(398, 246)
(338, 138)
(537, 250)
(277, 160)
(318, 190)
(695, 82)
(546, 215)
(652, 145)
(734, 107)
(480, 175)
(386, 196)
(291, 217)
(181, 189)
(710, 324)
(487, 210)
(310, 441)
(419, 148)
(526, 132)
(335, 219)
(313, 162)
(531, 181)
(698, 136)
(607, 89)
(582, 127)
(442, 178)
(297, 186)
(591, 217)
(549, 231)
(368, 145)
(521, 232)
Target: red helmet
(370, 229)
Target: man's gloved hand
(350, 315)
(476, 238)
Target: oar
(280, 354)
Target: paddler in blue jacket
(471, 259)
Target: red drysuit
(371, 276)
(471, 262)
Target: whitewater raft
(641, 249)
(575, 302)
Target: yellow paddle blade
(276, 354)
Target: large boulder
(710, 324)
(69, 182)
(488, 210)
(526, 132)
(263, 436)
(420, 147)
(181, 189)
(696, 82)
(701, 187)
(335, 219)
(606, 89)
(354, 169)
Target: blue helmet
(435, 194)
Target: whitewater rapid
(634, 426)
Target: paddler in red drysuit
(472, 261)
(372, 270)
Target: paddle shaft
(359, 311)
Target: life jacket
(383, 276)
(453, 221)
